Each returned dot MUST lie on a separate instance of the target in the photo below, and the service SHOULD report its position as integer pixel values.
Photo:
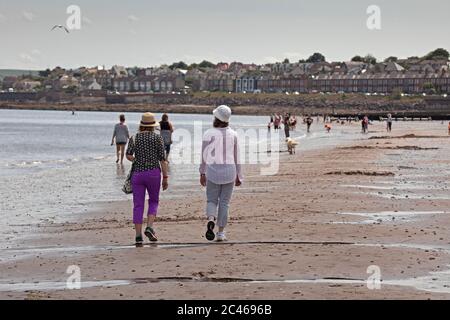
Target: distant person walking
(293, 122)
(449, 128)
(120, 136)
(220, 170)
(276, 122)
(389, 123)
(309, 122)
(365, 124)
(269, 125)
(286, 122)
(166, 133)
(146, 151)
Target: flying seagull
(60, 27)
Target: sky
(152, 32)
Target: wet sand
(310, 232)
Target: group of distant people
(289, 121)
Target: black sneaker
(150, 233)
(210, 231)
(139, 241)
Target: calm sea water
(54, 164)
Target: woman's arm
(202, 168)
(113, 136)
(164, 168)
(237, 162)
(165, 173)
(130, 150)
(163, 164)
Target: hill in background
(16, 73)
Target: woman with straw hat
(146, 151)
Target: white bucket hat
(223, 113)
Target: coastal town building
(404, 82)
(119, 71)
(222, 82)
(222, 66)
(154, 83)
(8, 82)
(26, 85)
(278, 84)
(64, 82)
(246, 84)
(91, 84)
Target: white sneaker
(221, 236)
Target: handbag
(127, 187)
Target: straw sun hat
(148, 120)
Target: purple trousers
(149, 181)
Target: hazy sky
(151, 32)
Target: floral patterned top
(148, 150)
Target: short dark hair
(165, 117)
(219, 124)
(122, 118)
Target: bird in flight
(58, 26)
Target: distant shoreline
(344, 111)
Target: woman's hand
(165, 184)
(237, 182)
(203, 180)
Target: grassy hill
(16, 73)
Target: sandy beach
(309, 232)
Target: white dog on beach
(291, 143)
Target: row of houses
(409, 76)
(387, 82)
(148, 84)
(118, 78)
(325, 77)
(411, 83)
